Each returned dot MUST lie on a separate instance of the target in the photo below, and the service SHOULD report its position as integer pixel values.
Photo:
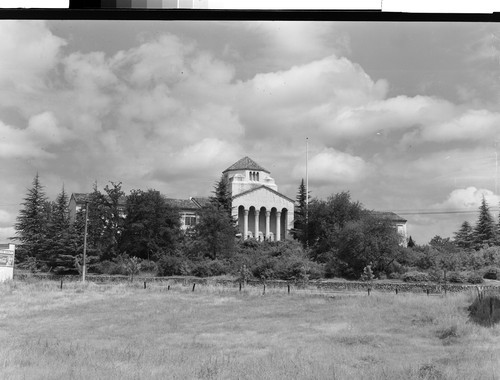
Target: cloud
(305, 96)
(333, 167)
(4, 217)
(42, 133)
(297, 42)
(469, 125)
(469, 198)
(29, 51)
(6, 233)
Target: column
(245, 225)
(268, 224)
(257, 212)
(278, 226)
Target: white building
(261, 211)
(7, 252)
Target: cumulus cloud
(469, 198)
(35, 141)
(332, 167)
(6, 233)
(29, 51)
(4, 217)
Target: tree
(105, 221)
(214, 235)
(31, 224)
(152, 226)
(484, 231)
(61, 242)
(370, 240)
(222, 196)
(464, 237)
(299, 231)
(327, 219)
(411, 242)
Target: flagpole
(307, 180)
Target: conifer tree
(222, 195)
(61, 242)
(411, 242)
(31, 225)
(299, 231)
(464, 237)
(484, 231)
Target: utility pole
(84, 267)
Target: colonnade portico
(262, 223)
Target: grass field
(127, 332)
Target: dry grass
(127, 332)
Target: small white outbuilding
(7, 252)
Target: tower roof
(246, 163)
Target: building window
(190, 221)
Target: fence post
(61, 283)
(288, 286)
(194, 284)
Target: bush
(394, 276)
(415, 277)
(110, 267)
(435, 275)
(172, 266)
(492, 273)
(456, 277)
(209, 268)
(474, 278)
(148, 266)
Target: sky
(404, 116)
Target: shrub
(394, 276)
(110, 267)
(474, 278)
(148, 266)
(456, 277)
(170, 266)
(485, 310)
(208, 268)
(415, 277)
(435, 275)
(492, 273)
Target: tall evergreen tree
(31, 224)
(464, 237)
(484, 231)
(411, 242)
(222, 196)
(299, 231)
(62, 241)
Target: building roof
(188, 204)
(246, 163)
(389, 215)
(265, 187)
(82, 197)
